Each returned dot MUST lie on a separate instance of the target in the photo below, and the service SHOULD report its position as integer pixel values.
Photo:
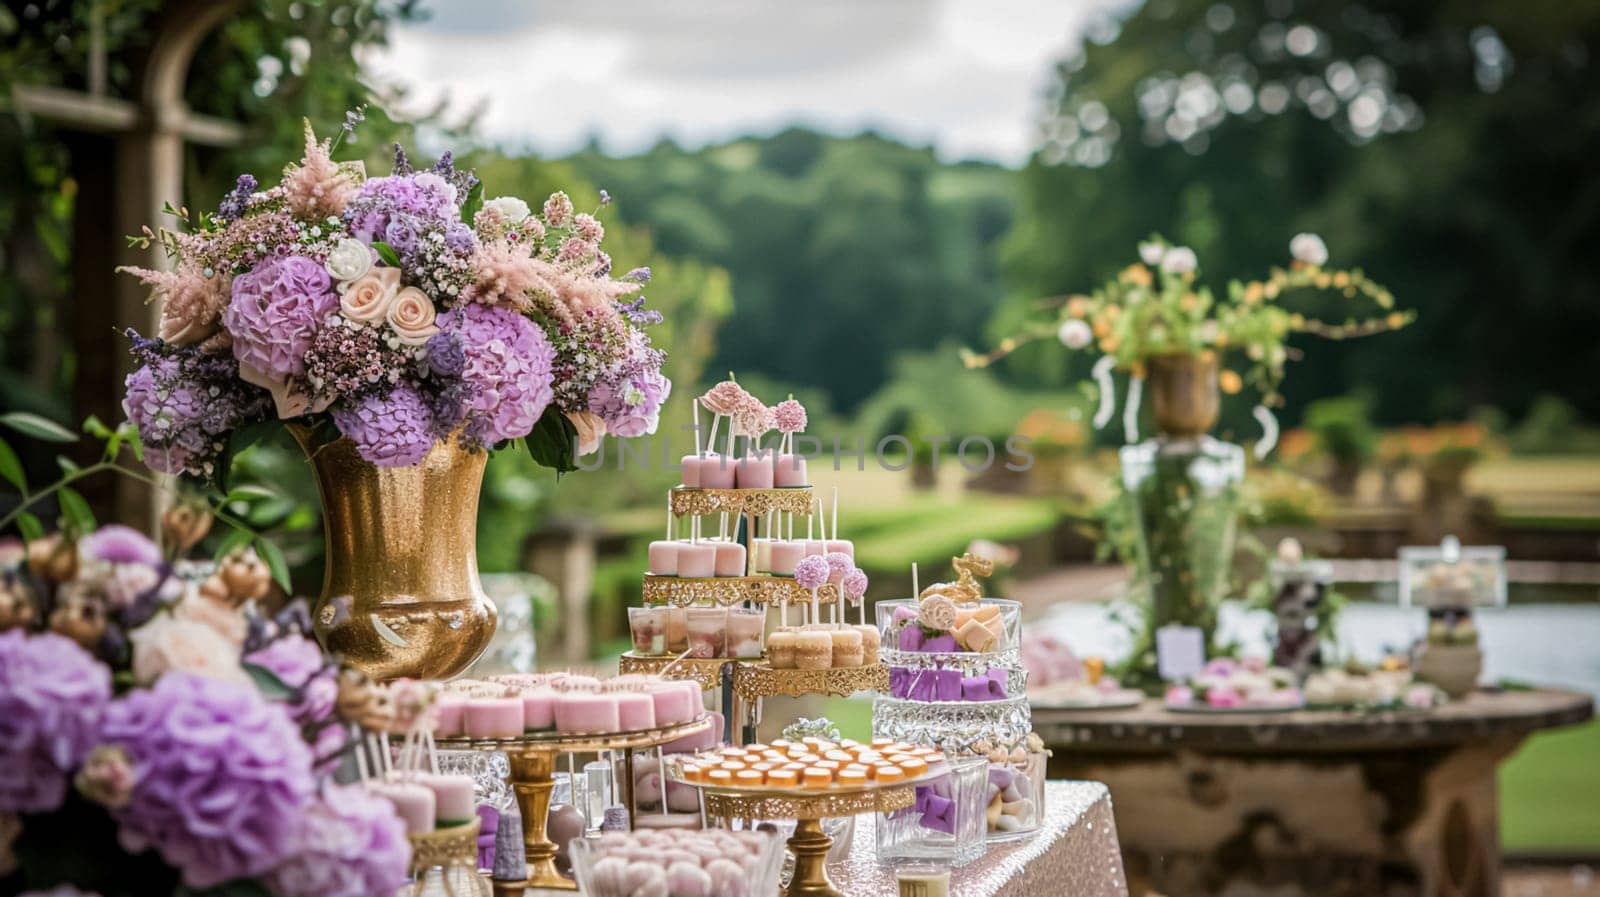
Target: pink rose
(168, 643)
(411, 317)
(107, 777)
(1180, 696)
(228, 622)
(368, 298)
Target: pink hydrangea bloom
(726, 397)
(811, 571)
(854, 584)
(839, 566)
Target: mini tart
(848, 743)
(731, 765)
(756, 748)
(829, 765)
(693, 772)
(719, 777)
(890, 775)
(817, 778)
(783, 778)
(749, 778)
(913, 766)
(840, 756)
(766, 766)
(852, 778)
(881, 743)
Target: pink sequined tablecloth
(1075, 854)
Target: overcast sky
(964, 75)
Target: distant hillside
(842, 251)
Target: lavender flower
(118, 544)
(631, 406)
(636, 313)
(224, 779)
(298, 662)
(274, 314)
(234, 204)
(351, 845)
(52, 697)
(352, 118)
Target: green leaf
(76, 510)
(474, 202)
(94, 427)
(239, 440)
(30, 526)
(276, 563)
(248, 494)
(37, 427)
(67, 465)
(387, 253)
(267, 682)
(11, 467)
(553, 441)
(234, 540)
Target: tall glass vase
(401, 595)
(1184, 488)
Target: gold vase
(400, 594)
(1184, 394)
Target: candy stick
(711, 441)
(783, 618)
(915, 592)
(663, 672)
(810, 521)
(669, 517)
(816, 616)
(696, 404)
(835, 525)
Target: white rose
(1309, 248)
(349, 260)
(168, 644)
(510, 208)
(1075, 334)
(1179, 260)
(1150, 253)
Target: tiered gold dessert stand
(809, 843)
(533, 762)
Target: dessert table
(1075, 853)
(1323, 802)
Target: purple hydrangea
(167, 410)
(52, 697)
(631, 406)
(298, 662)
(505, 370)
(223, 778)
(275, 312)
(352, 844)
(394, 429)
(118, 544)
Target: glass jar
(947, 824)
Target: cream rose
(228, 623)
(168, 644)
(591, 429)
(349, 260)
(368, 298)
(509, 207)
(411, 317)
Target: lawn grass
(1550, 792)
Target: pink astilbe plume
(572, 296)
(191, 303)
(505, 275)
(318, 187)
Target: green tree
(1443, 146)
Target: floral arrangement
(395, 311)
(1228, 684)
(1157, 306)
(160, 735)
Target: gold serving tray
(753, 681)
(755, 502)
(683, 591)
(707, 671)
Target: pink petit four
(754, 471)
(454, 801)
(635, 711)
(697, 559)
(730, 559)
(448, 716)
(677, 702)
(493, 717)
(538, 708)
(663, 558)
(789, 470)
(690, 465)
(716, 472)
(413, 803)
(842, 545)
(581, 713)
(784, 554)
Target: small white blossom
(509, 207)
(349, 260)
(1150, 253)
(1179, 260)
(1074, 333)
(1309, 248)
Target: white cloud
(963, 75)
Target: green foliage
(1464, 210)
(843, 252)
(1342, 428)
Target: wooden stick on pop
(915, 592)
(834, 527)
(696, 404)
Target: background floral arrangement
(1157, 306)
(161, 736)
(396, 311)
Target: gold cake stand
(809, 843)
(452, 850)
(533, 764)
(707, 671)
(754, 502)
(685, 591)
(754, 681)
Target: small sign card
(1180, 652)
